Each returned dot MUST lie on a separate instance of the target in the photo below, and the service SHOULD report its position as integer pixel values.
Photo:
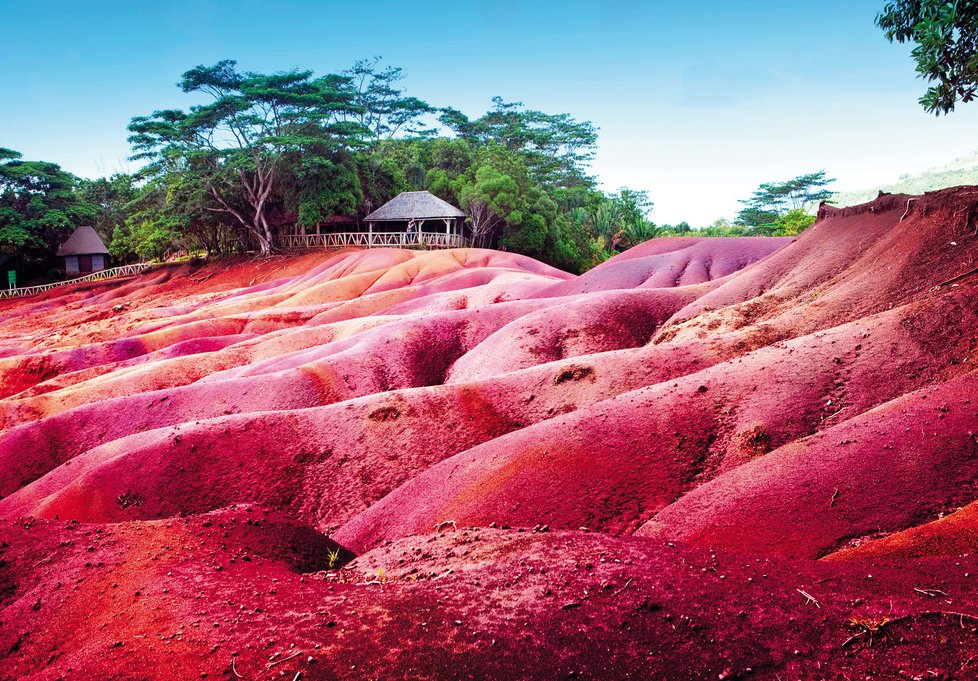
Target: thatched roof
(85, 241)
(407, 205)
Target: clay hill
(704, 459)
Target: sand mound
(650, 457)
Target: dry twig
(957, 278)
(809, 598)
(623, 588)
(906, 212)
(285, 659)
(930, 593)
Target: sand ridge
(642, 471)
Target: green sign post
(11, 279)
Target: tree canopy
(784, 207)
(945, 38)
(556, 147)
(235, 147)
(40, 206)
(382, 106)
(271, 154)
(287, 144)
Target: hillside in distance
(960, 171)
(705, 458)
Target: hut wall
(71, 264)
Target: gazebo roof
(84, 241)
(407, 205)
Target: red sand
(632, 473)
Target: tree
(40, 206)
(794, 222)
(637, 232)
(771, 200)
(112, 196)
(380, 180)
(557, 148)
(619, 221)
(237, 145)
(945, 35)
(170, 213)
(269, 152)
(321, 183)
(635, 204)
(382, 108)
(489, 200)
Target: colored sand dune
(705, 458)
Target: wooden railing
(111, 273)
(371, 240)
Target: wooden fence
(124, 270)
(371, 240)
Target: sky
(697, 103)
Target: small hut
(419, 207)
(83, 252)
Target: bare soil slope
(706, 458)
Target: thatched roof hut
(416, 205)
(416, 208)
(83, 252)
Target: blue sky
(696, 102)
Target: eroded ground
(706, 458)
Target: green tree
(634, 210)
(772, 200)
(380, 180)
(557, 148)
(722, 227)
(635, 204)
(321, 183)
(794, 222)
(450, 160)
(606, 222)
(238, 144)
(381, 106)
(637, 232)
(159, 215)
(411, 157)
(490, 199)
(945, 35)
(112, 196)
(40, 206)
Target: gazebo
(420, 207)
(83, 252)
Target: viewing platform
(423, 240)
